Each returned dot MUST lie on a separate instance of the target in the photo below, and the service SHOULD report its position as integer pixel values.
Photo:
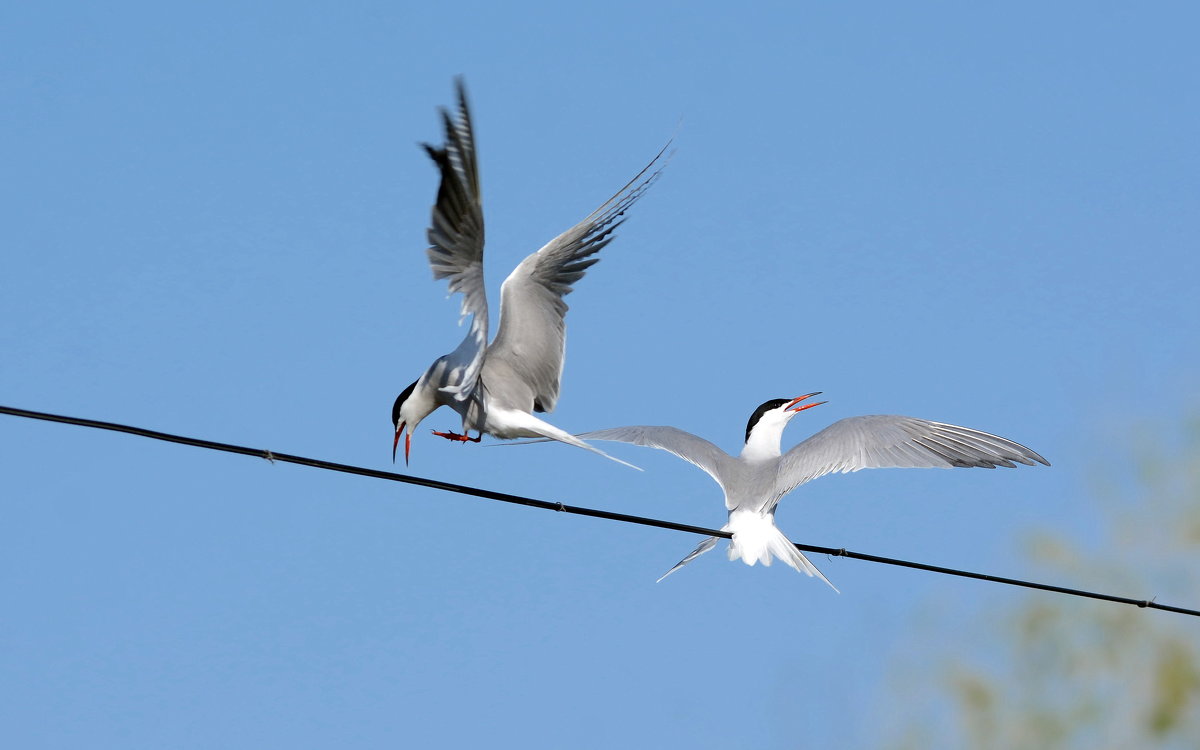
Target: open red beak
(396, 443)
(796, 406)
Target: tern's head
(768, 420)
(405, 414)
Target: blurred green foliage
(1063, 673)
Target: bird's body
(497, 387)
(756, 480)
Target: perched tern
(755, 481)
(496, 387)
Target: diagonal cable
(505, 497)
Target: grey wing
(889, 441)
(689, 447)
(532, 335)
(456, 241)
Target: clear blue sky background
(213, 223)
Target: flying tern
(756, 480)
(496, 387)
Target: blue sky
(213, 224)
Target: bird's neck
(763, 442)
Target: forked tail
(756, 538)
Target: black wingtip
(464, 107)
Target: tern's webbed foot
(460, 438)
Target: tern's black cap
(765, 407)
(400, 401)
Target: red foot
(460, 438)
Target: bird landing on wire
(757, 479)
(495, 387)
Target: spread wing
(456, 242)
(532, 333)
(889, 441)
(689, 447)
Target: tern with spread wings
(755, 481)
(496, 387)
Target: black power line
(563, 508)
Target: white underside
(756, 539)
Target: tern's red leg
(460, 438)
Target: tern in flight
(496, 387)
(755, 481)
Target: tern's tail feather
(531, 425)
(757, 539)
(701, 548)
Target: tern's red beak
(795, 404)
(396, 443)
